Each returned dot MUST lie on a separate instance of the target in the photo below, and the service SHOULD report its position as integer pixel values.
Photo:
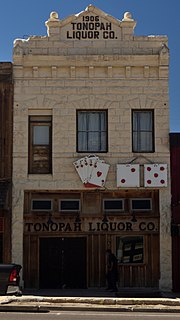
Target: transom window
(41, 205)
(91, 131)
(69, 205)
(141, 204)
(143, 131)
(113, 205)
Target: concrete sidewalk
(87, 300)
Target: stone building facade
(91, 153)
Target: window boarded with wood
(40, 144)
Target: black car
(9, 277)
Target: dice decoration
(128, 175)
(155, 175)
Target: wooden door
(144, 274)
(62, 263)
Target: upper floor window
(142, 131)
(40, 144)
(92, 131)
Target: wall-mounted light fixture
(105, 218)
(50, 221)
(133, 218)
(77, 218)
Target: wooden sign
(92, 226)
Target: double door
(62, 262)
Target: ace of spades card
(99, 173)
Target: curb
(41, 304)
(91, 301)
(50, 308)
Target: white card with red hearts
(128, 175)
(155, 175)
(85, 166)
(81, 169)
(91, 164)
(99, 173)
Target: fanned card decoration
(92, 171)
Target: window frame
(137, 210)
(106, 131)
(35, 120)
(113, 210)
(37, 210)
(152, 150)
(69, 210)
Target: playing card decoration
(92, 171)
(128, 175)
(155, 175)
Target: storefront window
(130, 249)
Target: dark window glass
(92, 131)
(143, 131)
(69, 205)
(113, 204)
(41, 204)
(141, 204)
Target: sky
(20, 18)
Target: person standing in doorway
(112, 271)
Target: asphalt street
(74, 315)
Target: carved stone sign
(91, 27)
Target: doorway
(62, 263)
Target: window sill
(40, 176)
